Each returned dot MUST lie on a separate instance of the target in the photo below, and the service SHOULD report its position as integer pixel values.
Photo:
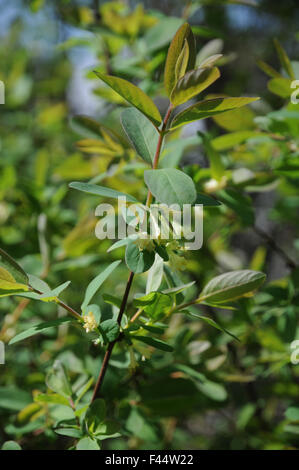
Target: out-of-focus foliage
(212, 391)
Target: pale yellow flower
(90, 323)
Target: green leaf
(107, 430)
(16, 272)
(206, 108)
(86, 443)
(170, 186)
(133, 95)
(57, 380)
(284, 60)
(138, 260)
(122, 242)
(211, 389)
(109, 330)
(69, 432)
(239, 203)
(156, 343)
(11, 445)
(155, 304)
(206, 200)
(100, 191)
(49, 295)
(174, 51)
(40, 328)
(280, 87)
(193, 83)
(141, 133)
(217, 168)
(111, 299)
(226, 141)
(182, 62)
(161, 33)
(96, 284)
(232, 285)
(292, 413)
(92, 129)
(268, 69)
(212, 322)
(53, 398)
(95, 414)
(155, 275)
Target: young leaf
(109, 330)
(174, 51)
(212, 322)
(95, 414)
(86, 443)
(280, 86)
(156, 343)
(11, 445)
(40, 328)
(155, 275)
(270, 71)
(216, 166)
(96, 284)
(170, 186)
(231, 285)
(53, 398)
(155, 304)
(193, 83)
(57, 380)
(133, 95)
(122, 242)
(141, 133)
(284, 60)
(69, 432)
(182, 62)
(209, 61)
(100, 191)
(17, 274)
(138, 260)
(206, 108)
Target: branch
(131, 276)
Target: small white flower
(90, 323)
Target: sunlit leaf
(207, 108)
(141, 133)
(193, 83)
(170, 186)
(174, 51)
(133, 95)
(232, 285)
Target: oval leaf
(137, 260)
(193, 83)
(174, 51)
(100, 191)
(16, 272)
(142, 135)
(206, 108)
(133, 95)
(96, 284)
(232, 285)
(170, 186)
